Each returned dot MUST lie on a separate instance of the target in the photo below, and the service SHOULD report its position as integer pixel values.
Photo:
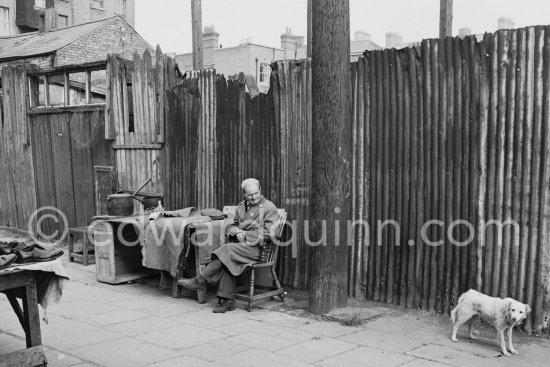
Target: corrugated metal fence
(269, 137)
(455, 129)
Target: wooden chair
(252, 293)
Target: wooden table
(22, 284)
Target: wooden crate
(115, 262)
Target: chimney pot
(463, 32)
(393, 39)
(362, 36)
(505, 23)
(210, 40)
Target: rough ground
(141, 325)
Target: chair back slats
(272, 248)
(230, 211)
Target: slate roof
(37, 44)
(358, 47)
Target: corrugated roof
(36, 43)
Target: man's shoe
(5, 250)
(193, 284)
(37, 255)
(226, 305)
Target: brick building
(254, 59)
(249, 58)
(73, 45)
(23, 16)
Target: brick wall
(10, 4)
(242, 59)
(82, 12)
(63, 7)
(43, 62)
(131, 12)
(115, 37)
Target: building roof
(44, 43)
(358, 47)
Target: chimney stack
(463, 32)
(209, 44)
(393, 39)
(505, 23)
(289, 43)
(362, 36)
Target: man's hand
(241, 236)
(233, 231)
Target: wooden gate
(66, 146)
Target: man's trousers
(216, 273)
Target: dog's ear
(527, 309)
(509, 306)
(506, 310)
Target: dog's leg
(455, 329)
(460, 319)
(471, 327)
(502, 342)
(510, 344)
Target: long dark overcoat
(256, 222)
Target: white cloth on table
(50, 280)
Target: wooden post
(88, 87)
(331, 142)
(196, 20)
(309, 25)
(445, 18)
(67, 89)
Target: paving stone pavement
(139, 324)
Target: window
(40, 3)
(4, 21)
(67, 89)
(265, 71)
(98, 4)
(62, 21)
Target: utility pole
(331, 142)
(309, 2)
(196, 23)
(445, 18)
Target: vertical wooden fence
(17, 188)
(135, 121)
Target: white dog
(502, 314)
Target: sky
(168, 22)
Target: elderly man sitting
(253, 220)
